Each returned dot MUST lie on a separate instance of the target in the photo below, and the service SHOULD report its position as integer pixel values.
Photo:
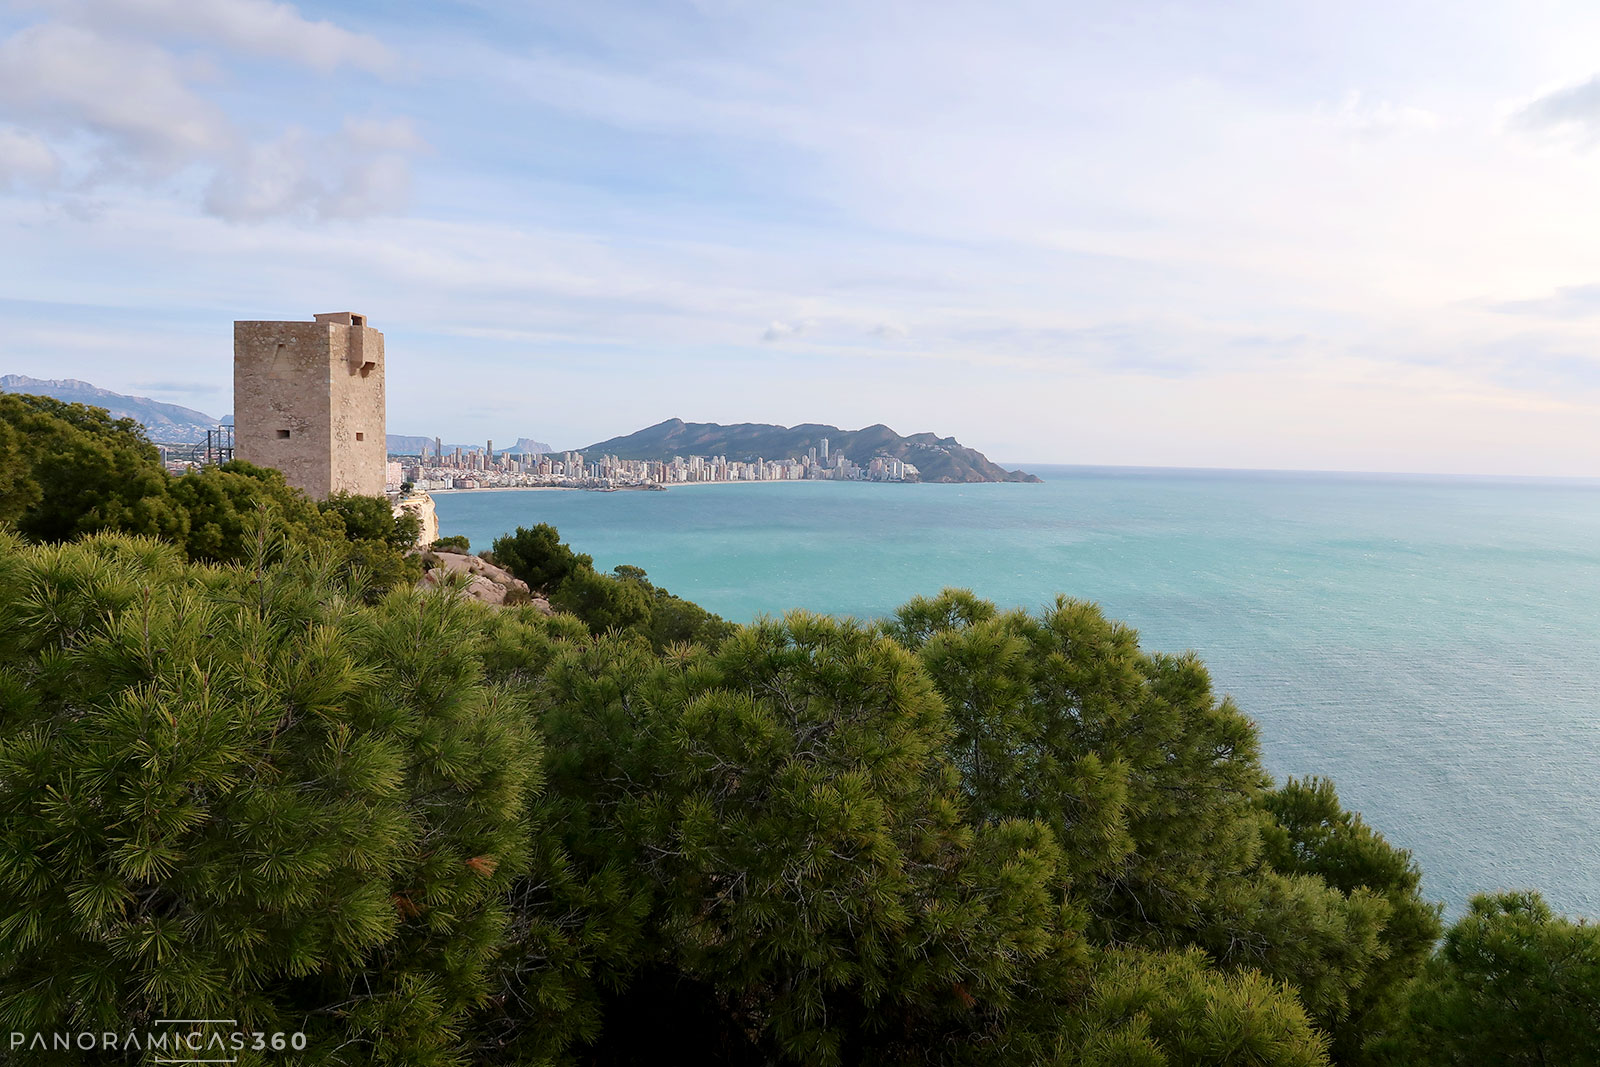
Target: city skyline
(461, 468)
(1145, 234)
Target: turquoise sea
(1431, 644)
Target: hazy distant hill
(407, 445)
(165, 423)
(940, 459)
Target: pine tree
(71, 470)
(1149, 783)
(240, 793)
(1513, 983)
(796, 872)
(1156, 794)
(1311, 833)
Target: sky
(1265, 234)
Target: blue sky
(1260, 234)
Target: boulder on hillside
(485, 582)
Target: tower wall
(308, 399)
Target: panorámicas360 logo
(173, 1041)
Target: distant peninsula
(938, 459)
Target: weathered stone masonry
(308, 400)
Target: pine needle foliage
(773, 847)
(1170, 1009)
(1311, 833)
(1513, 983)
(1149, 783)
(67, 470)
(1154, 789)
(626, 599)
(239, 792)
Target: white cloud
(366, 187)
(25, 159)
(1382, 118)
(1573, 109)
(778, 330)
(359, 172)
(1568, 302)
(67, 78)
(264, 180)
(125, 109)
(258, 27)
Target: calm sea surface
(1431, 644)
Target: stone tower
(308, 400)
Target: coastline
(516, 489)
(547, 489)
(652, 489)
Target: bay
(1431, 644)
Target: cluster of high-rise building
(439, 469)
(817, 464)
(485, 469)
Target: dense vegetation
(625, 599)
(67, 470)
(423, 831)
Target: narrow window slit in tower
(283, 433)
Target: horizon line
(1304, 470)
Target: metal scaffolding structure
(218, 446)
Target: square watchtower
(308, 400)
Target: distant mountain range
(170, 424)
(165, 423)
(939, 459)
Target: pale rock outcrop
(484, 581)
(421, 505)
